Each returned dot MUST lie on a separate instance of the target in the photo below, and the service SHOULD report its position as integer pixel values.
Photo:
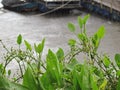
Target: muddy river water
(53, 27)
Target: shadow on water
(56, 13)
(64, 13)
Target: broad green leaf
(80, 22)
(93, 81)
(29, 80)
(39, 48)
(75, 80)
(71, 27)
(103, 85)
(28, 45)
(118, 85)
(118, 73)
(106, 61)
(19, 39)
(101, 32)
(60, 54)
(117, 59)
(5, 84)
(45, 81)
(54, 68)
(85, 78)
(72, 42)
(85, 19)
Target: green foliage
(103, 85)
(19, 39)
(72, 42)
(106, 61)
(80, 22)
(117, 59)
(100, 33)
(71, 27)
(60, 54)
(39, 47)
(28, 46)
(5, 84)
(28, 76)
(62, 71)
(85, 19)
(53, 68)
(118, 85)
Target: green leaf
(72, 42)
(39, 48)
(54, 69)
(29, 80)
(117, 59)
(103, 85)
(118, 85)
(75, 80)
(84, 77)
(81, 37)
(19, 39)
(93, 81)
(71, 27)
(35, 47)
(106, 61)
(45, 81)
(1, 67)
(28, 45)
(43, 44)
(95, 41)
(80, 22)
(60, 54)
(118, 73)
(101, 32)
(85, 19)
(5, 84)
(9, 72)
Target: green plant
(62, 71)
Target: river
(53, 27)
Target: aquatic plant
(62, 71)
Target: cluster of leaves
(60, 71)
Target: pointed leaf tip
(19, 39)
(28, 45)
(71, 27)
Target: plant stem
(20, 68)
